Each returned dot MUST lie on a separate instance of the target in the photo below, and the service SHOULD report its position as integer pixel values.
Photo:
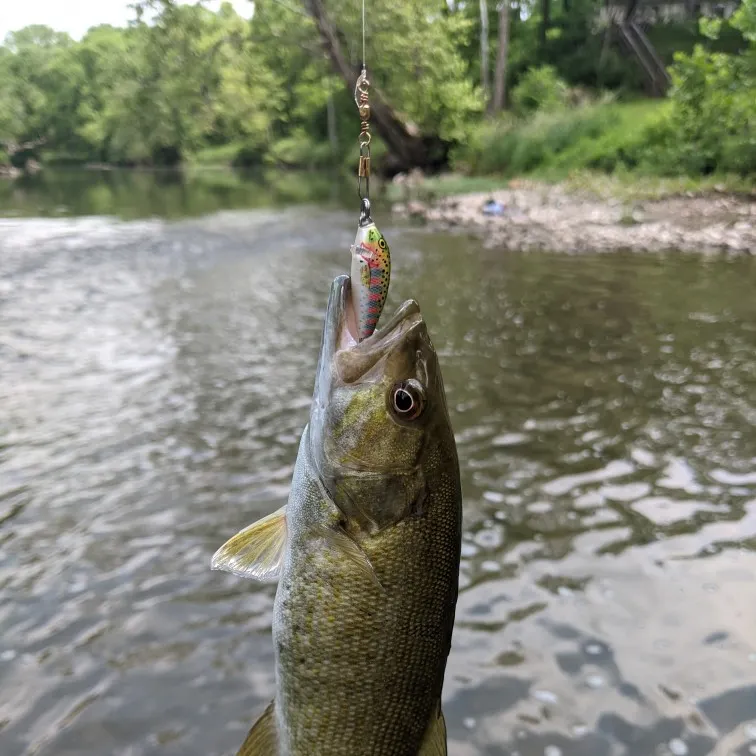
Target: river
(158, 344)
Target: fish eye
(382, 243)
(407, 400)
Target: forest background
(522, 87)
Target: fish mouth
(342, 353)
(400, 347)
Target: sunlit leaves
(414, 55)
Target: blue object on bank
(492, 207)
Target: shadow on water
(155, 378)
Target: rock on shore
(550, 218)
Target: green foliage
(191, 80)
(744, 20)
(539, 89)
(299, 150)
(38, 79)
(207, 87)
(11, 107)
(415, 52)
(711, 28)
(217, 155)
(708, 125)
(147, 94)
(682, 36)
(602, 137)
(574, 47)
(712, 123)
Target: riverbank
(599, 214)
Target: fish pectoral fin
(338, 539)
(263, 737)
(434, 742)
(257, 551)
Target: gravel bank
(548, 217)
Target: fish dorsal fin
(434, 742)
(257, 551)
(263, 738)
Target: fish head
(370, 237)
(371, 245)
(379, 419)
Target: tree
(419, 68)
(499, 100)
(162, 91)
(484, 63)
(545, 23)
(11, 109)
(39, 90)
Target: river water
(155, 375)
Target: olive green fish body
(366, 552)
(360, 666)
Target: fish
(370, 276)
(366, 551)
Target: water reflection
(132, 194)
(155, 377)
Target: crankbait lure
(370, 276)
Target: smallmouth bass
(366, 552)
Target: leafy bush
(712, 125)
(707, 125)
(539, 89)
(239, 154)
(602, 137)
(299, 150)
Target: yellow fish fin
(434, 742)
(257, 551)
(263, 738)
(337, 539)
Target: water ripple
(155, 378)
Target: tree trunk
(605, 47)
(484, 69)
(333, 136)
(499, 100)
(545, 22)
(409, 149)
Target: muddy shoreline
(546, 217)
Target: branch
(12, 147)
(409, 147)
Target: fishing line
(364, 60)
(361, 99)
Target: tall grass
(601, 137)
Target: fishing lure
(371, 258)
(370, 276)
